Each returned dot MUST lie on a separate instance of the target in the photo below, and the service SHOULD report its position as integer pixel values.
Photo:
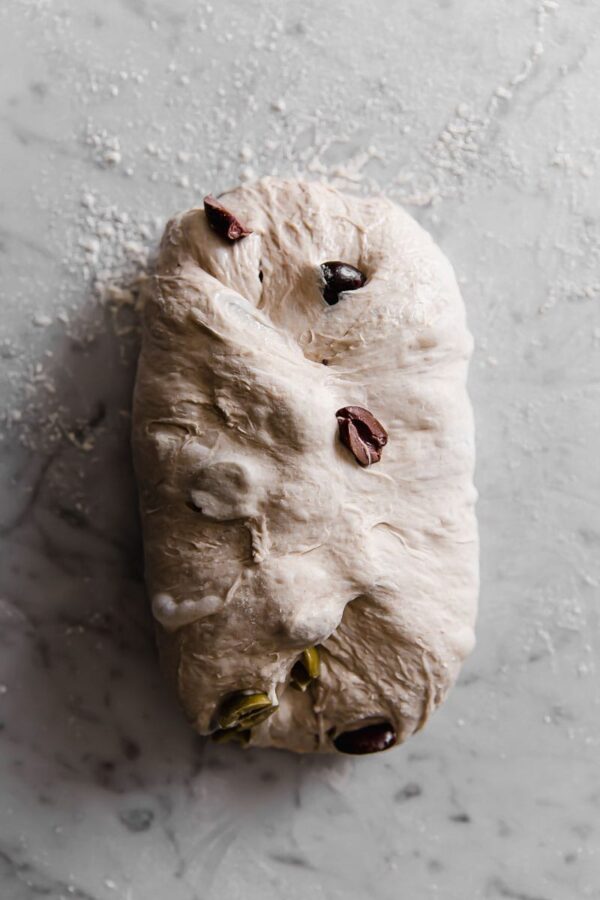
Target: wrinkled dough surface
(263, 536)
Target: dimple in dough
(263, 536)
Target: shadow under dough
(86, 706)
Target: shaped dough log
(264, 536)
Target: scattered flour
(109, 244)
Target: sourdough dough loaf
(265, 535)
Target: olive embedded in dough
(306, 669)
(362, 434)
(339, 277)
(223, 221)
(245, 710)
(370, 739)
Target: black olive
(339, 277)
(370, 739)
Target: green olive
(245, 710)
(255, 718)
(227, 735)
(306, 669)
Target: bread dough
(263, 536)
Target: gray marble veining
(482, 119)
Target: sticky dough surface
(262, 534)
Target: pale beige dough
(297, 545)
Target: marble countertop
(482, 119)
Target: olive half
(370, 739)
(245, 710)
(306, 669)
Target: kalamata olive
(223, 221)
(339, 277)
(362, 433)
(370, 739)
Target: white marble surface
(482, 117)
